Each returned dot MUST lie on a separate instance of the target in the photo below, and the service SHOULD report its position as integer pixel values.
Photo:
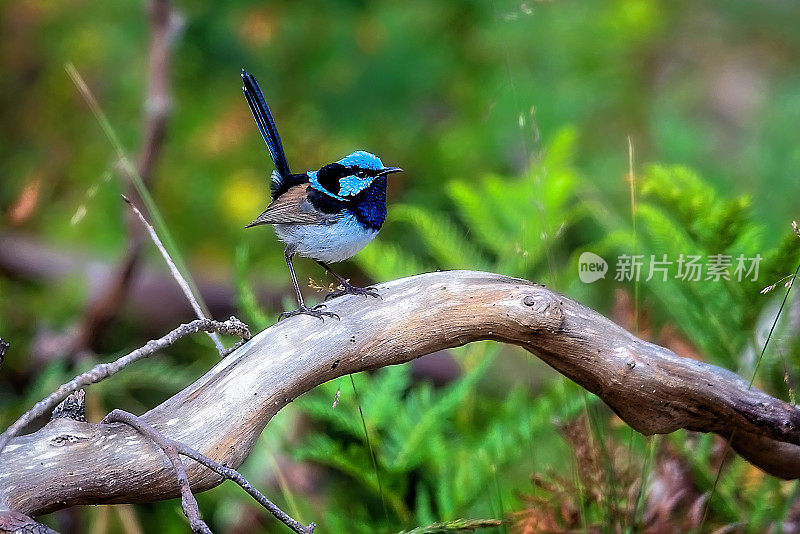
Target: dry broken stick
(73, 407)
(176, 274)
(232, 326)
(174, 448)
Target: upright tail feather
(265, 122)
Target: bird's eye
(361, 173)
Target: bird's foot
(305, 310)
(350, 289)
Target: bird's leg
(288, 255)
(349, 289)
(301, 305)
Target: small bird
(326, 215)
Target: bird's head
(351, 175)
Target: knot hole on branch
(547, 308)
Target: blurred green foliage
(441, 453)
(511, 121)
(680, 215)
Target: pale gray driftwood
(222, 414)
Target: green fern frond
(381, 395)
(385, 261)
(472, 208)
(446, 244)
(319, 405)
(407, 440)
(351, 461)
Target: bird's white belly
(327, 243)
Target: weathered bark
(17, 523)
(221, 415)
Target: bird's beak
(389, 170)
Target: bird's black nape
(265, 122)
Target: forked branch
(172, 449)
(101, 371)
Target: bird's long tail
(266, 124)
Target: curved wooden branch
(222, 414)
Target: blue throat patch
(369, 206)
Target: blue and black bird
(326, 215)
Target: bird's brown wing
(293, 207)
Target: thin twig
(133, 174)
(232, 326)
(176, 274)
(173, 448)
(188, 502)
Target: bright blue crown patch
(362, 159)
